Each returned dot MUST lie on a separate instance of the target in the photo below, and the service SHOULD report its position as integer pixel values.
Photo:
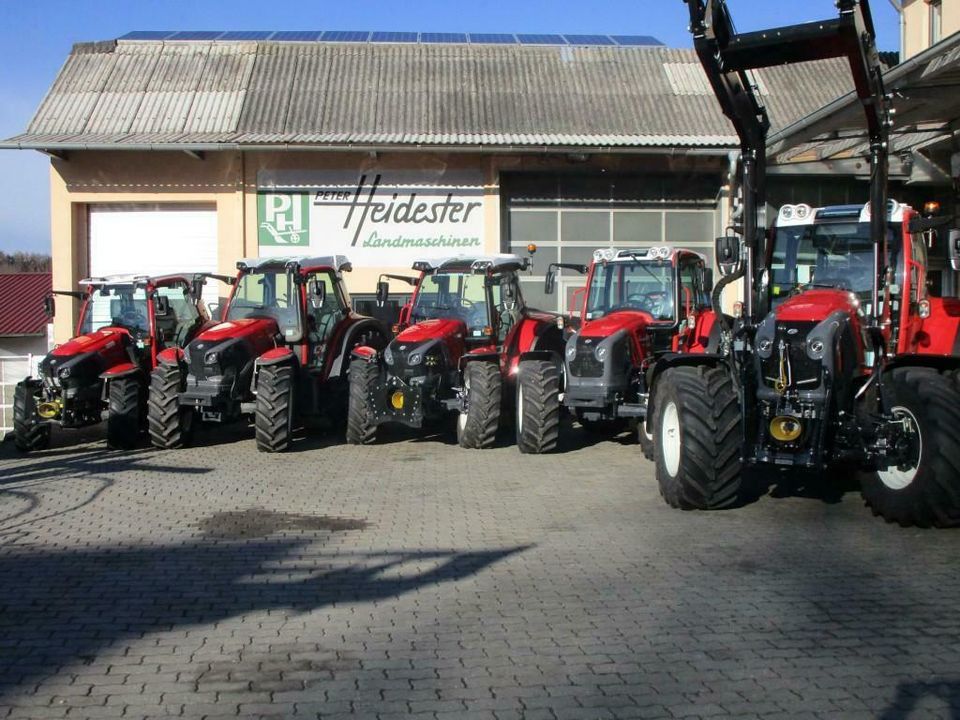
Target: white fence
(13, 369)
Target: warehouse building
(194, 149)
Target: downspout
(898, 6)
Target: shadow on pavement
(910, 694)
(59, 608)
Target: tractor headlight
(414, 359)
(571, 351)
(65, 373)
(766, 345)
(815, 349)
(388, 356)
(211, 358)
(600, 352)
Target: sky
(36, 36)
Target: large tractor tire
(925, 491)
(29, 433)
(169, 424)
(477, 427)
(125, 412)
(361, 425)
(697, 439)
(538, 406)
(273, 421)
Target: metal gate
(13, 369)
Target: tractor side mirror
(383, 292)
(49, 306)
(318, 294)
(550, 281)
(728, 254)
(955, 250)
(162, 305)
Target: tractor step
(631, 410)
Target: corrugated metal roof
(268, 93)
(21, 303)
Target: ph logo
(283, 219)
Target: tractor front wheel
(697, 439)
(170, 425)
(29, 434)
(538, 406)
(477, 427)
(125, 412)
(924, 490)
(361, 425)
(273, 420)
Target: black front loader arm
(727, 57)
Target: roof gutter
(716, 151)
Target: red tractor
(640, 305)
(461, 340)
(840, 356)
(125, 323)
(281, 352)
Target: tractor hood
(816, 305)
(243, 328)
(633, 321)
(82, 359)
(103, 340)
(431, 330)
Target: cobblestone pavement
(415, 578)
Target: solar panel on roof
(539, 39)
(196, 35)
(346, 36)
(246, 35)
(636, 40)
(399, 37)
(493, 38)
(443, 37)
(589, 39)
(148, 35)
(298, 35)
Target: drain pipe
(898, 6)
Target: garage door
(154, 239)
(570, 216)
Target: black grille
(804, 372)
(194, 357)
(585, 364)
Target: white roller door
(154, 239)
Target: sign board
(375, 217)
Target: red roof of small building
(21, 303)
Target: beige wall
(916, 24)
(229, 180)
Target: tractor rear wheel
(925, 490)
(125, 412)
(29, 434)
(170, 425)
(538, 406)
(697, 439)
(361, 425)
(273, 420)
(477, 427)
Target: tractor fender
(539, 355)
(350, 336)
(120, 370)
(482, 354)
(364, 352)
(170, 356)
(671, 360)
(276, 356)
